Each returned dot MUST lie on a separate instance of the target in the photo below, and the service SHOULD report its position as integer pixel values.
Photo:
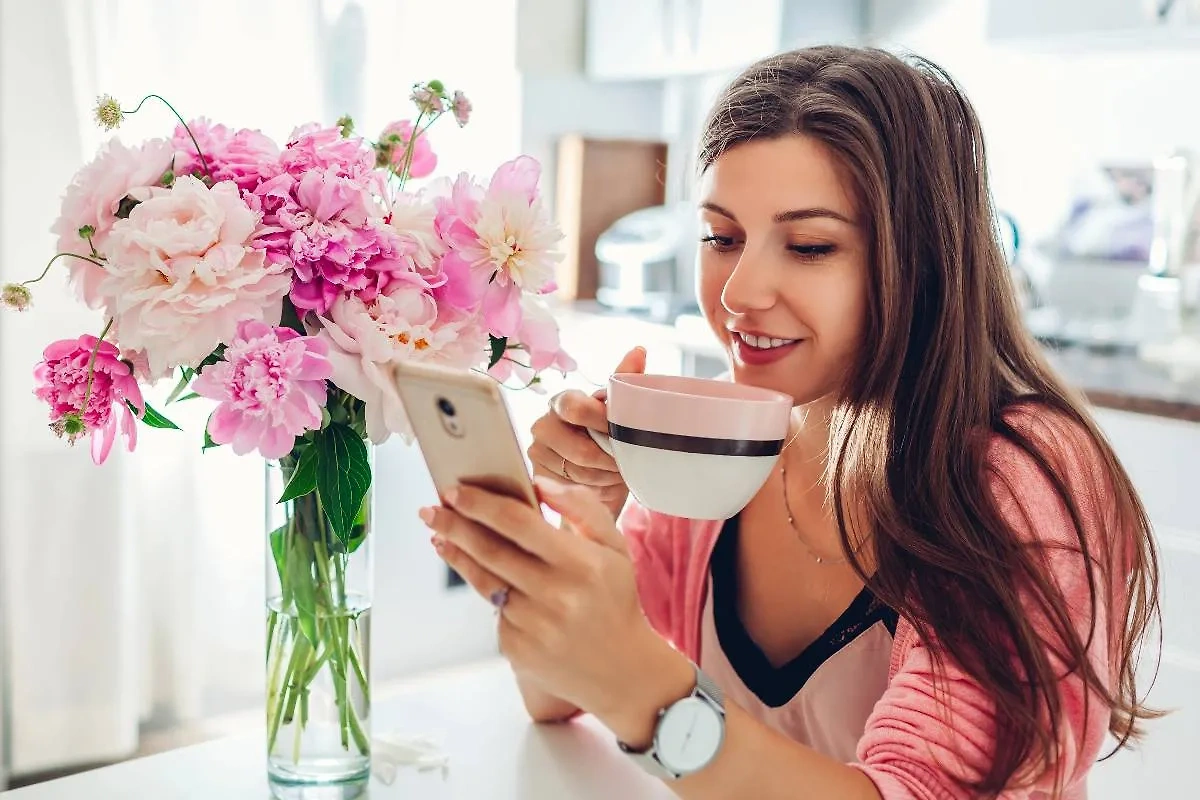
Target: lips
(754, 349)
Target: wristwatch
(688, 734)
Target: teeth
(763, 342)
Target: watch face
(689, 735)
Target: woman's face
(782, 273)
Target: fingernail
(426, 514)
(546, 484)
(439, 544)
(452, 495)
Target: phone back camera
(450, 423)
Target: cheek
(843, 311)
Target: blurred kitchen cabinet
(590, 197)
(654, 39)
(1093, 23)
(1162, 458)
(814, 22)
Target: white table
(495, 752)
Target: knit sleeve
(648, 536)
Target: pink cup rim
(747, 394)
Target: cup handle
(601, 440)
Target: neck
(807, 444)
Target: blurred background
(130, 595)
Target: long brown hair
(949, 361)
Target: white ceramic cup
(692, 447)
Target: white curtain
(133, 592)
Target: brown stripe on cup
(681, 443)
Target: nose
(750, 287)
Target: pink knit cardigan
(917, 743)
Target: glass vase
(318, 626)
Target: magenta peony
(62, 383)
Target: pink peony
(93, 197)
(414, 219)
(243, 156)
(538, 345)
(511, 246)
(365, 339)
(314, 147)
(271, 388)
(395, 140)
(184, 270)
(62, 382)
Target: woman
(941, 590)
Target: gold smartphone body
(464, 429)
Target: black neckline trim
(775, 687)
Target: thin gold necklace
(787, 506)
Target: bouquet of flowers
(281, 283)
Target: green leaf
(302, 582)
(343, 476)
(155, 419)
(291, 319)
(304, 479)
(212, 358)
(125, 207)
(188, 396)
(358, 534)
(180, 387)
(208, 442)
(497, 344)
(278, 539)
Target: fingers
(516, 605)
(497, 555)
(476, 576)
(634, 361)
(576, 408)
(513, 521)
(571, 441)
(584, 511)
(551, 461)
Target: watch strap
(706, 689)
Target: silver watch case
(712, 700)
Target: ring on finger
(563, 469)
(499, 598)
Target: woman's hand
(562, 448)
(569, 617)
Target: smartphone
(463, 427)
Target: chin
(803, 393)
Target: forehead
(773, 175)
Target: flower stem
(412, 143)
(87, 393)
(57, 256)
(203, 160)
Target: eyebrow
(784, 216)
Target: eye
(722, 244)
(812, 252)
